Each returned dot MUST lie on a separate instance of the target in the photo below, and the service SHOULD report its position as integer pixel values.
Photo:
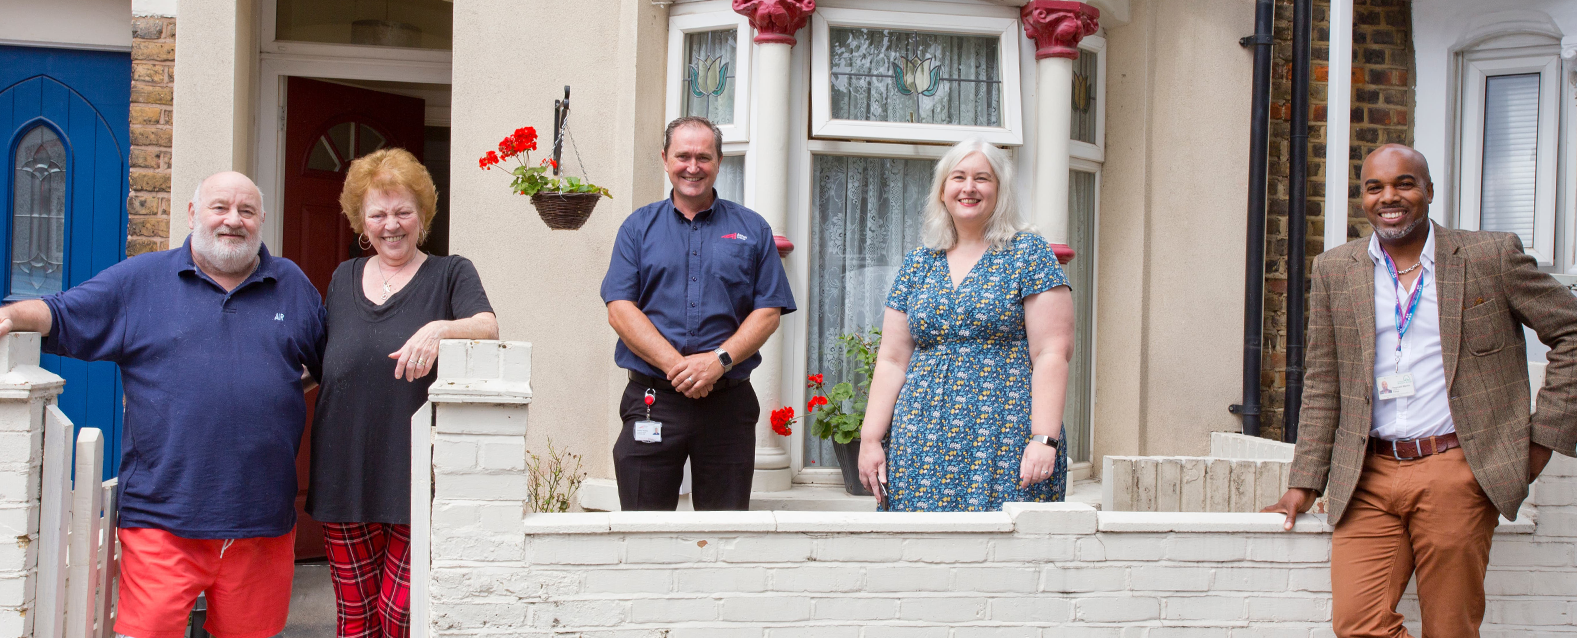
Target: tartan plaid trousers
(371, 567)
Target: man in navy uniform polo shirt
(212, 339)
(694, 288)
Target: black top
(361, 431)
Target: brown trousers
(1429, 514)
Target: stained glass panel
(709, 74)
(906, 76)
(1084, 107)
(38, 214)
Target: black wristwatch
(1045, 439)
(723, 358)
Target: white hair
(197, 195)
(937, 231)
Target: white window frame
(1084, 150)
(682, 25)
(1476, 68)
(1011, 133)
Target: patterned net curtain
(866, 217)
(38, 215)
(906, 76)
(1077, 412)
(730, 182)
(709, 75)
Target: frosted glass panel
(1077, 411)
(1084, 71)
(1511, 147)
(906, 76)
(730, 182)
(866, 216)
(709, 75)
(38, 214)
(421, 24)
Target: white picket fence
(78, 563)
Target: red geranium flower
(815, 380)
(781, 418)
(815, 401)
(489, 160)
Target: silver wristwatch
(1044, 439)
(725, 359)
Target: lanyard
(1404, 319)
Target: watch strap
(1046, 440)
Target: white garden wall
(1062, 570)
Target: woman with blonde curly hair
(386, 315)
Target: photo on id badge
(1393, 386)
(649, 431)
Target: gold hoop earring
(363, 241)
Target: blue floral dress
(962, 418)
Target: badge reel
(649, 431)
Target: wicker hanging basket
(565, 211)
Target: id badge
(1393, 386)
(648, 432)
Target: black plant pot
(849, 461)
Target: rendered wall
(1173, 192)
(215, 85)
(511, 60)
(1034, 570)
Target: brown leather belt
(1414, 448)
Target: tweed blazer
(1488, 290)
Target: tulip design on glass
(708, 77)
(915, 75)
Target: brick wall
(1381, 111)
(152, 125)
(1033, 570)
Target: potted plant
(563, 202)
(837, 413)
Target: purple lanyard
(1404, 319)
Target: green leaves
(840, 419)
(530, 180)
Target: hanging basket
(565, 211)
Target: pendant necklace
(386, 283)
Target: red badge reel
(649, 431)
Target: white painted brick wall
(1033, 570)
(25, 389)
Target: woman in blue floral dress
(973, 364)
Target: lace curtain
(38, 223)
(1077, 413)
(905, 76)
(866, 216)
(730, 182)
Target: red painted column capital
(776, 21)
(1056, 26)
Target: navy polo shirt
(696, 280)
(214, 408)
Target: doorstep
(602, 495)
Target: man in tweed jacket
(1416, 419)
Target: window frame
(680, 26)
(1084, 150)
(268, 29)
(823, 125)
(1475, 69)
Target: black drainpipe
(1297, 217)
(1254, 262)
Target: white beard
(225, 255)
(1399, 233)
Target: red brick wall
(152, 125)
(1381, 112)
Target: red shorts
(247, 582)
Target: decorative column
(1056, 27)
(775, 22)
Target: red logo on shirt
(738, 236)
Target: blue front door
(64, 124)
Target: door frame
(273, 68)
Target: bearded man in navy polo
(694, 288)
(212, 339)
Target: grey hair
(197, 195)
(937, 231)
(694, 120)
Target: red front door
(327, 125)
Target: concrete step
(312, 613)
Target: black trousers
(716, 433)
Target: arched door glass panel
(343, 142)
(38, 214)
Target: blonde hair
(937, 231)
(388, 169)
